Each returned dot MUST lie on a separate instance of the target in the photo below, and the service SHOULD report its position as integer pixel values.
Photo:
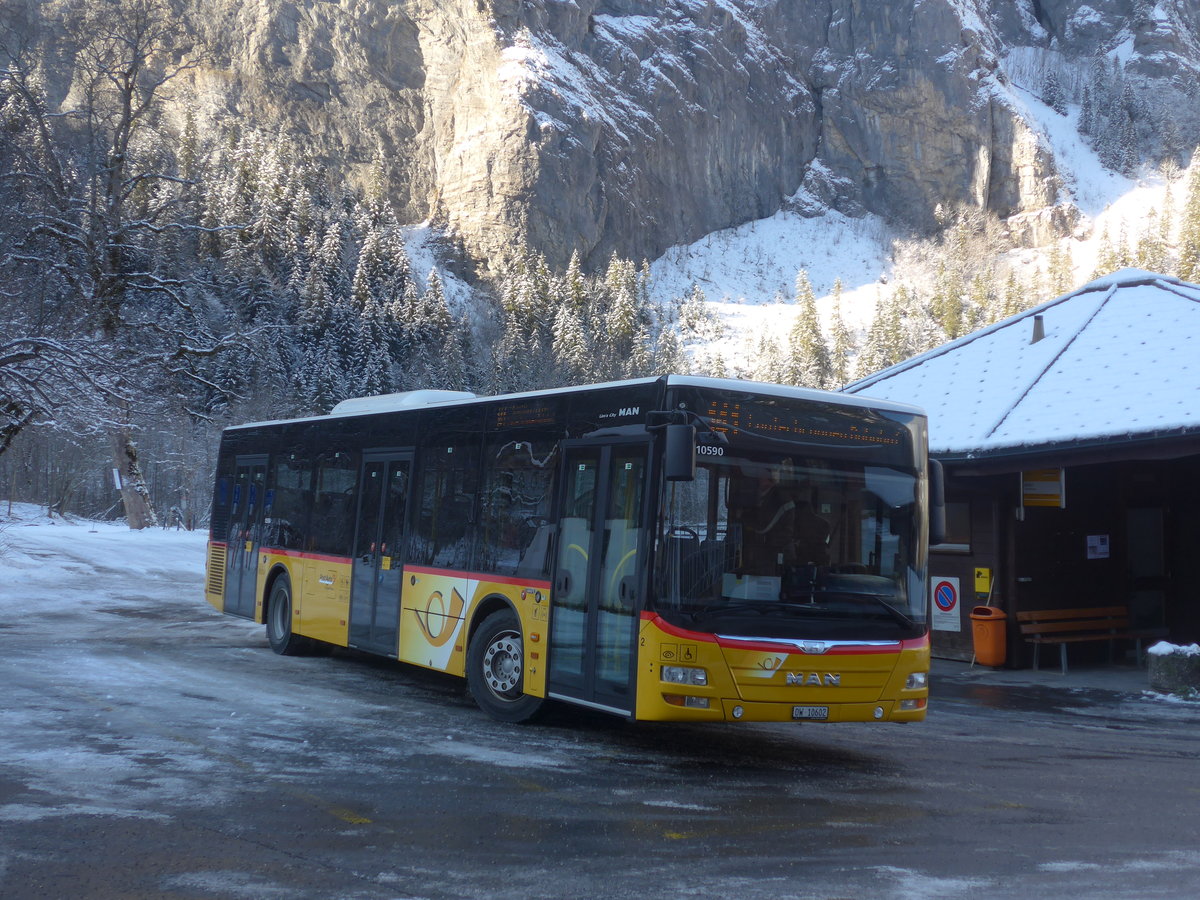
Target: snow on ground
(50, 548)
(1091, 187)
(748, 273)
(42, 555)
(421, 244)
(113, 662)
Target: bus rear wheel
(495, 669)
(280, 636)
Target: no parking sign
(946, 614)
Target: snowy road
(150, 747)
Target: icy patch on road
(228, 884)
(1165, 862)
(675, 804)
(915, 886)
(457, 749)
(21, 812)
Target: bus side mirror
(937, 503)
(679, 455)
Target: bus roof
(424, 399)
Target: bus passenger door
(375, 584)
(245, 534)
(598, 579)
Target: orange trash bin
(988, 632)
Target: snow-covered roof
(1118, 362)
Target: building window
(958, 529)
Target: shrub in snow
(1174, 669)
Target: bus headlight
(684, 675)
(916, 680)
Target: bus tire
(280, 636)
(495, 669)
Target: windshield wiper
(891, 610)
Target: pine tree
(1170, 139)
(571, 352)
(696, 320)
(1128, 155)
(947, 302)
(714, 365)
(768, 362)
(453, 370)
(1108, 258)
(1151, 252)
(1060, 271)
(886, 343)
(1053, 94)
(916, 325)
(1189, 226)
(575, 286)
(807, 353)
(1014, 296)
(668, 354)
(842, 341)
(981, 308)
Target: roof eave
(1158, 445)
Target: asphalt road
(150, 747)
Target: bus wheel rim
(502, 665)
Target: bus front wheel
(495, 669)
(279, 621)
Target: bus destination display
(771, 421)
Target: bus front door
(245, 534)
(375, 584)
(598, 577)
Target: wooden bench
(1069, 626)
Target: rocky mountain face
(633, 125)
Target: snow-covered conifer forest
(162, 277)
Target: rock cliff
(633, 125)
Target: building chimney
(1039, 329)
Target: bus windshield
(775, 545)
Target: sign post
(946, 614)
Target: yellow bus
(672, 548)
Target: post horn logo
(437, 619)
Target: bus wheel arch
(277, 572)
(495, 664)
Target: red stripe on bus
(675, 631)
(299, 554)
(480, 576)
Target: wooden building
(1070, 436)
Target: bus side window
(445, 523)
(221, 509)
(332, 527)
(291, 482)
(515, 516)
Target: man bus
(672, 548)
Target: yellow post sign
(1044, 487)
(983, 581)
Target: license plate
(810, 712)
